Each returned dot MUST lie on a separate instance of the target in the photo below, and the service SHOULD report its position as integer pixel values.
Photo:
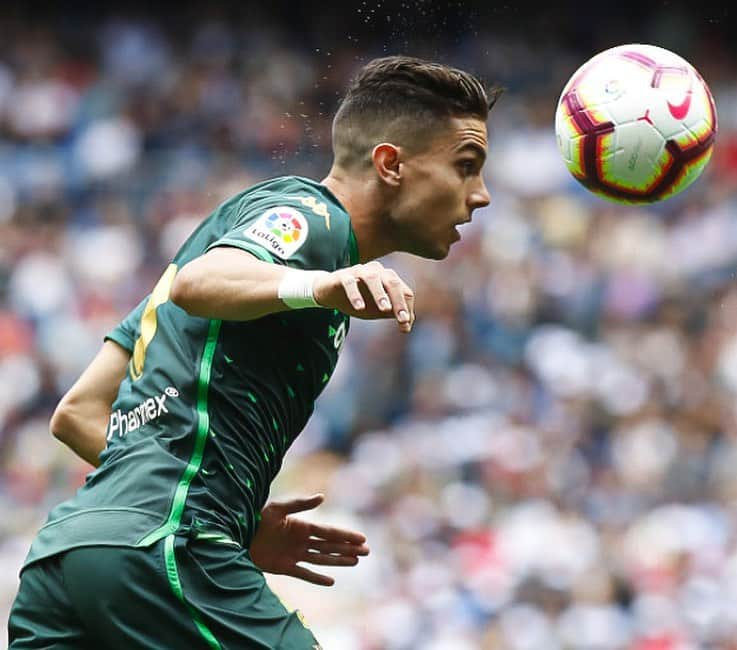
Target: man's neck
(362, 198)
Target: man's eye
(468, 167)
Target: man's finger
(297, 505)
(303, 573)
(352, 292)
(333, 534)
(409, 296)
(324, 559)
(303, 503)
(337, 547)
(372, 279)
(396, 290)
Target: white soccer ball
(636, 124)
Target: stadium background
(547, 462)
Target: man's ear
(385, 158)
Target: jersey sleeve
(126, 332)
(295, 231)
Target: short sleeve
(126, 333)
(295, 231)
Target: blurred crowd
(545, 463)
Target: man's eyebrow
(476, 148)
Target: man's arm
(81, 418)
(231, 284)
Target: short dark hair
(398, 99)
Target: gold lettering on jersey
(149, 323)
(319, 208)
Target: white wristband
(295, 288)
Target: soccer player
(192, 402)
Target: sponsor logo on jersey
(147, 411)
(281, 231)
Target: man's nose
(480, 197)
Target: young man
(195, 397)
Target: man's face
(440, 188)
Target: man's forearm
(228, 284)
(80, 420)
(85, 436)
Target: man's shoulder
(288, 217)
(309, 194)
(308, 202)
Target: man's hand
(282, 541)
(368, 291)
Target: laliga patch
(281, 231)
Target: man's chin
(433, 251)
(438, 253)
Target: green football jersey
(208, 408)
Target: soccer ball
(636, 124)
